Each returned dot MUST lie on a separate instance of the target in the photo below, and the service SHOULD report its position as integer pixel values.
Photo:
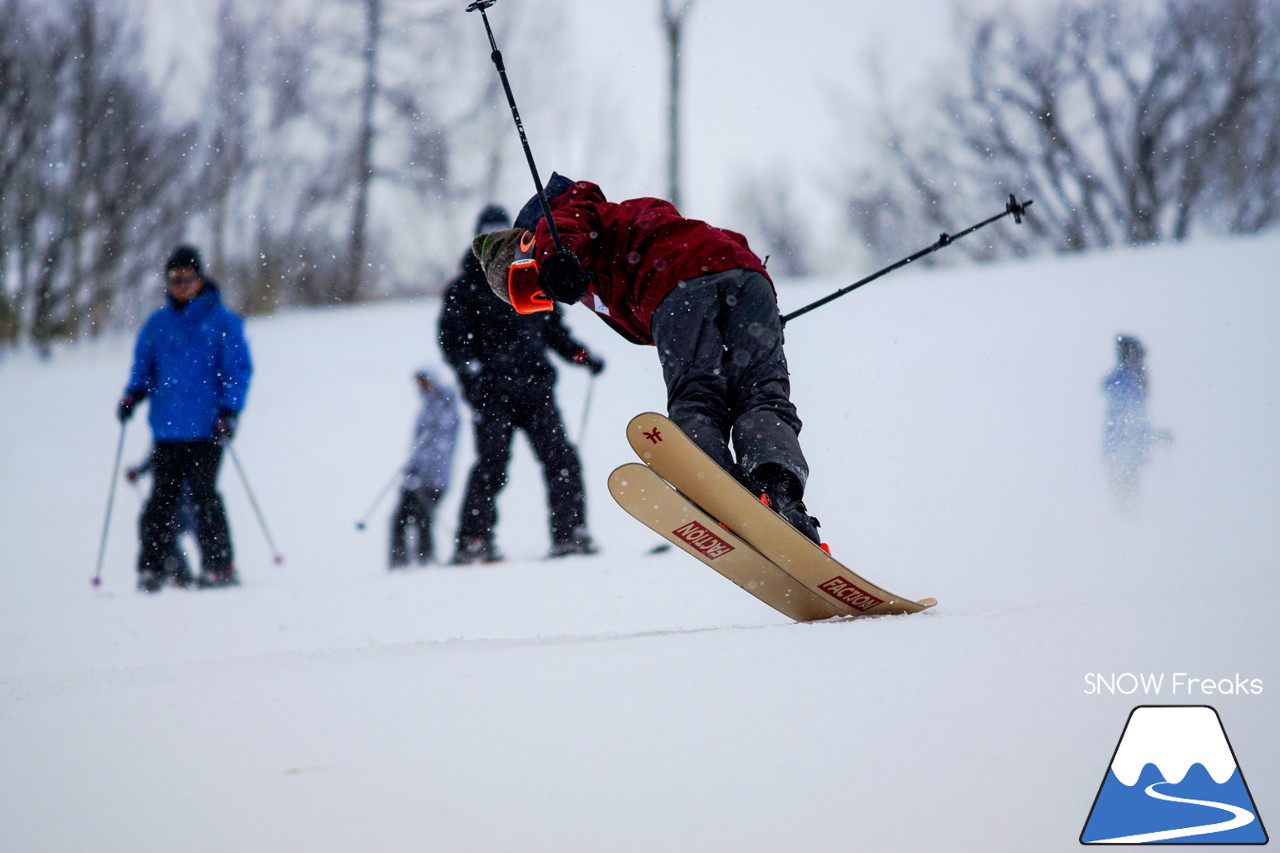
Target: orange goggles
(522, 280)
(523, 288)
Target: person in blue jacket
(1127, 434)
(191, 360)
(426, 474)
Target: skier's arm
(455, 336)
(237, 367)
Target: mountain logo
(1173, 779)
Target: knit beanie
(495, 251)
(184, 257)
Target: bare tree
(1128, 123)
(94, 179)
(767, 203)
(673, 15)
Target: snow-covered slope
(629, 702)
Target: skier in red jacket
(696, 292)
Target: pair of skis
(682, 495)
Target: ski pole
(586, 409)
(396, 475)
(496, 56)
(111, 499)
(262, 522)
(1012, 208)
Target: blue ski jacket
(434, 438)
(192, 361)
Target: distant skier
(1127, 434)
(426, 474)
(696, 292)
(500, 358)
(192, 361)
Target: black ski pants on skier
(719, 338)
(413, 516)
(495, 421)
(196, 463)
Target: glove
(128, 403)
(593, 363)
(224, 428)
(562, 278)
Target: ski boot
(780, 490)
(475, 550)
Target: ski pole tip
(96, 582)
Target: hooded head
(510, 269)
(531, 214)
(494, 217)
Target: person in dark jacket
(426, 474)
(500, 358)
(696, 292)
(192, 362)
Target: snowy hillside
(629, 702)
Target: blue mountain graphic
(1123, 810)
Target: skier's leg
(561, 468)
(765, 427)
(157, 526)
(398, 553)
(212, 531)
(427, 499)
(686, 328)
(479, 514)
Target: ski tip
(927, 602)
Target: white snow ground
(638, 703)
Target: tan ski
(676, 459)
(653, 502)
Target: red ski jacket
(637, 251)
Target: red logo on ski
(703, 540)
(653, 435)
(850, 594)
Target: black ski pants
(719, 338)
(195, 463)
(414, 516)
(495, 420)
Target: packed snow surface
(635, 702)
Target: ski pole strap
(1012, 207)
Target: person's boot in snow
(477, 550)
(579, 543)
(780, 490)
(219, 577)
(176, 570)
(150, 581)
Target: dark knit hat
(494, 217)
(184, 257)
